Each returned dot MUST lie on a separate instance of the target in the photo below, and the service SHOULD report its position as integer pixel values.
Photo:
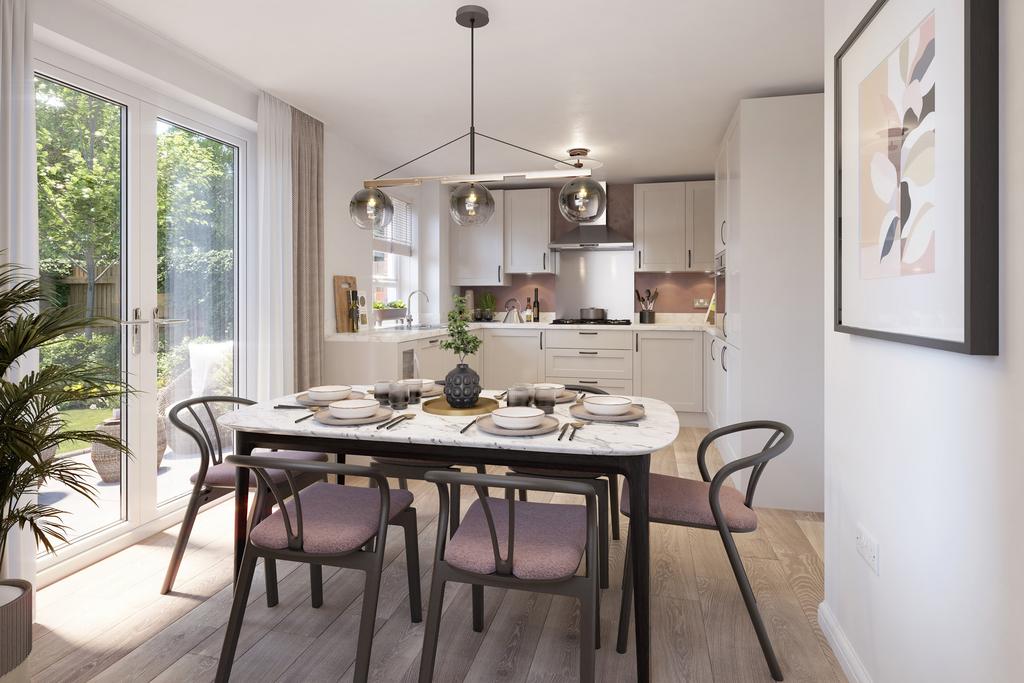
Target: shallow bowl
(428, 384)
(559, 388)
(607, 405)
(520, 417)
(354, 408)
(332, 392)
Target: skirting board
(842, 648)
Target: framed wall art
(916, 175)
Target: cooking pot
(593, 314)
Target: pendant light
(471, 203)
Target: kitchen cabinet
(512, 356)
(616, 387)
(669, 366)
(721, 194)
(700, 225)
(708, 360)
(528, 231)
(588, 339)
(659, 226)
(589, 363)
(673, 226)
(477, 252)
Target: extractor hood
(595, 235)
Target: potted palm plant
(462, 385)
(32, 429)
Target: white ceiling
(648, 85)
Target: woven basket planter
(15, 627)
(106, 460)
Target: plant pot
(488, 315)
(107, 460)
(389, 313)
(462, 387)
(15, 624)
(647, 317)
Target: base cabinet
(669, 366)
(512, 356)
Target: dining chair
(324, 524)
(607, 492)
(404, 469)
(518, 545)
(708, 504)
(216, 478)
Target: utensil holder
(647, 317)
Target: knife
(564, 427)
(304, 418)
(394, 419)
(400, 420)
(466, 428)
(285, 406)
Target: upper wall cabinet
(477, 253)
(528, 231)
(700, 225)
(674, 226)
(721, 195)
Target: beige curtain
(308, 227)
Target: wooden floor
(109, 623)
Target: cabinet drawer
(588, 339)
(588, 363)
(619, 387)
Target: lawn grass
(82, 418)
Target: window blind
(396, 237)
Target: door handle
(162, 322)
(135, 323)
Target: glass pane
(196, 219)
(80, 183)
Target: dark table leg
(637, 479)
(241, 500)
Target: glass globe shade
(371, 209)
(471, 204)
(582, 200)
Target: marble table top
(657, 430)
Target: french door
(141, 209)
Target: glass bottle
(529, 311)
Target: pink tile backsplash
(520, 287)
(676, 291)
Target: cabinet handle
(713, 349)
(544, 261)
(724, 314)
(588, 381)
(541, 337)
(433, 341)
(724, 349)
(588, 333)
(639, 259)
(722, 232)
(637, 335)
(689, 258)
(588, 353)
(499, 273)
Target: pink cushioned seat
(223, 475)
(549, 541)
(335, 519)
(677, 500)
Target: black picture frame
(981, 187)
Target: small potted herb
(461, 385)
(392, 310)
(487, 303)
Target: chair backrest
(293, 524)
(780, 439)
(587, 388)
(202, 427)
(503, 565)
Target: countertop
(682, 322)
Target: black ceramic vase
(462, 387)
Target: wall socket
(700, 303)
(867, 546)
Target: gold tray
(439, 406)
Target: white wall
(347, 249)
(924, 448)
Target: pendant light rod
(472, 96)
(421, 156)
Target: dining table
(607, 448)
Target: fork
(576, 426)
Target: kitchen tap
(408, 305)
(512, 311)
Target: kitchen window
(393, 254)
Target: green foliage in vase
(460, 341)
(32, 426)
(487, 301)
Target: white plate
(607, 405)
(332, 392)
(520, 417)
(352, 409)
